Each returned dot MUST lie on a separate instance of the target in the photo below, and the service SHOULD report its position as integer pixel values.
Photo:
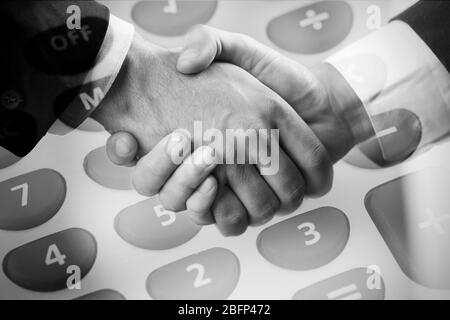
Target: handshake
(226, 81)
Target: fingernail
(123, 147)
(176, 140)
(189, 54)
(204, 157)
(207, 186)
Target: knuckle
(266, 212)
(169, 202)
(318, 156)
(235, 220)
(142, 186)
(201, 218)
(295, 196)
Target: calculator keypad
(148, 225)
(52, 263)
(31, 199)
(306, 241)
(210, 274)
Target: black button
(63, 51)
(18, 132)
(76, 104)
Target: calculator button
(7, 158)
(399, 133)
(210, 274)
(148, 225)
(18, 131)
(355, 284)
(51, 263)
(102, 295)
(62, 51)
(31, 199)
(306, 241)
(312, 29)
(100, 169)
(11, 99)
(172, 17)
(76, 104)
(366, 73)
(90, 125)
(412, 214)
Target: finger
(305, 149)
(205, 44)
(155, 168)
(200, 202)
(186, 178)
(199, 51)
(281, 174)
(122, 149)
(256, 196)
(229, 213)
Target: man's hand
(320, 95)
(150, 99)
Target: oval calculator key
(312, 29)
(7, 158)
(100, 169)
(355, 284)
(306, 241)
(106, 294)
(172, 17)
(90, 125)
(31, 199)
(52, 263)
(412, 214)
(210, 274)
(148, 225)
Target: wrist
(115, 111)
(344, 102)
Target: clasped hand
(226, 81)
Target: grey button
(148, 225)
(100, 169)
(355, 284)
(399, 133)
(7, 158)
(46, 264)
(412, 214)
(10, 99)
(172, 17)
(210, 274)
(306, 241)
(102, 295)
(90, 125)
(31, 199)
(312, 29)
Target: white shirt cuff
(393, 68)
(98, 81)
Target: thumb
(200, 50)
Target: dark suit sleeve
(431, 21)
(40, 59)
